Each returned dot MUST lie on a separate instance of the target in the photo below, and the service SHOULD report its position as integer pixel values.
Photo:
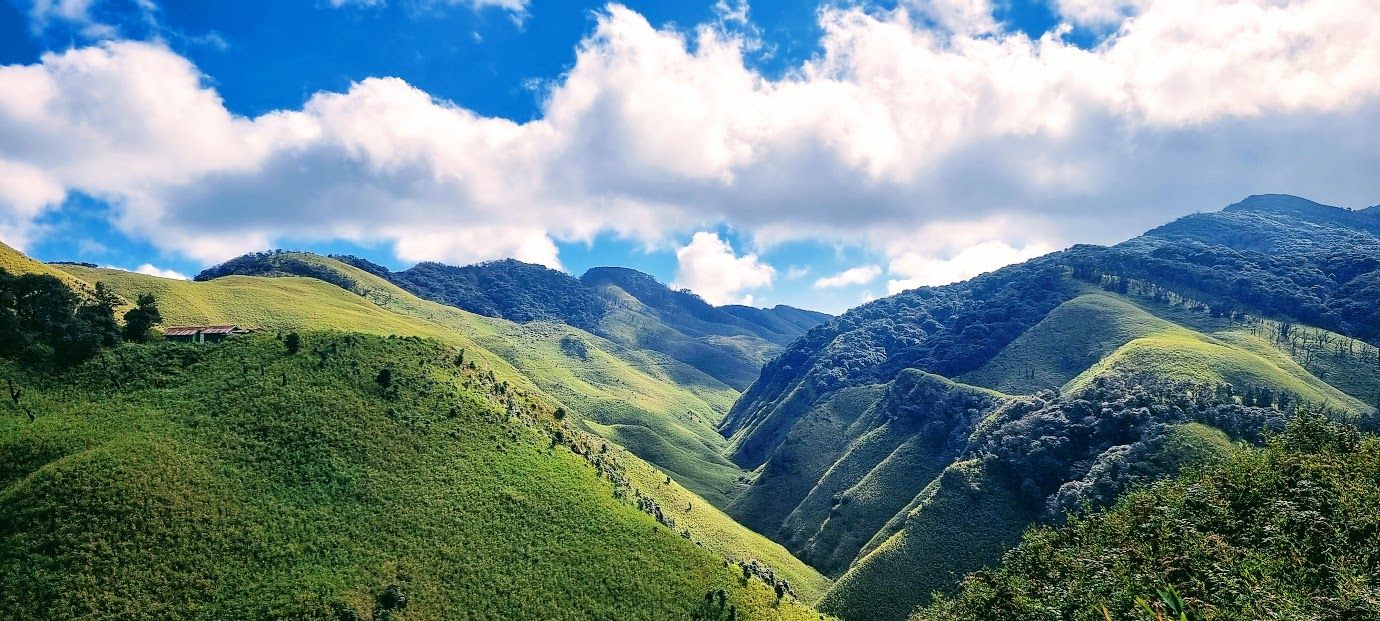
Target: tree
(140, 320)
(293, 343)
(384, 379)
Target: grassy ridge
(671, 403)
(600, 387)
(1213, 537)
(1072, 338)
(1204, 359)
(241, 482)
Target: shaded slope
(238, 481)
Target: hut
(202, 334)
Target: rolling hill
(529, 358)
(246, 481)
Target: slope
(729, 344)
(241, 481)
(1206, 545)
(655, 406)
(295, 303)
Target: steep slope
(243, 481)
(653, 405)
(1207, 545)
(1191, 335)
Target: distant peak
(618, 275)
(1285, 203)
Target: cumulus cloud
(153, 270)
(709, 267)
(922, 129)
(853, 276)
(916, 269)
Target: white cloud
(796, 272)
(153, 270)
(917, 270)
(965, 17)
(709, 267)
(897, 136)
(1097, 12)
(854, 276)
(150, 269)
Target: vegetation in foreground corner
(1288, 531)
(244, 481)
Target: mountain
(913, 439)
(628, 307)
(642, 401)
(360, 476)
(655, 406)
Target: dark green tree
(293, 341)
(140, 320)
(384, 379)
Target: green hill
(240, 481)
(657, 407)
(599, 390)
(1207, 545)
(1072, 338)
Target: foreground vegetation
(1284, 532)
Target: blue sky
(815, 155)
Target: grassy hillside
(1207, 545)
(1214, 361)
(239, 481)
(963, 520)
(659, 408)
(597, 387)
(1072, 338)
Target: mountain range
(505, 440)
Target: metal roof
(195, 330)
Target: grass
(962, 521)
(904, 442)
(237, 481)
(1074, 336)
(670, 403)
(636, 393)
(1209, 360)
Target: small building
(202, 334)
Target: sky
(762, 152)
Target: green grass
(1284, 532)
(236, 481)
(962, 521)
(1205, 359)
(904, 443)
(670, 403)
(1074, 336)
(633, 398)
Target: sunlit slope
(654, 401)
(1197, 357)
(240, 481)
(1069, 340)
